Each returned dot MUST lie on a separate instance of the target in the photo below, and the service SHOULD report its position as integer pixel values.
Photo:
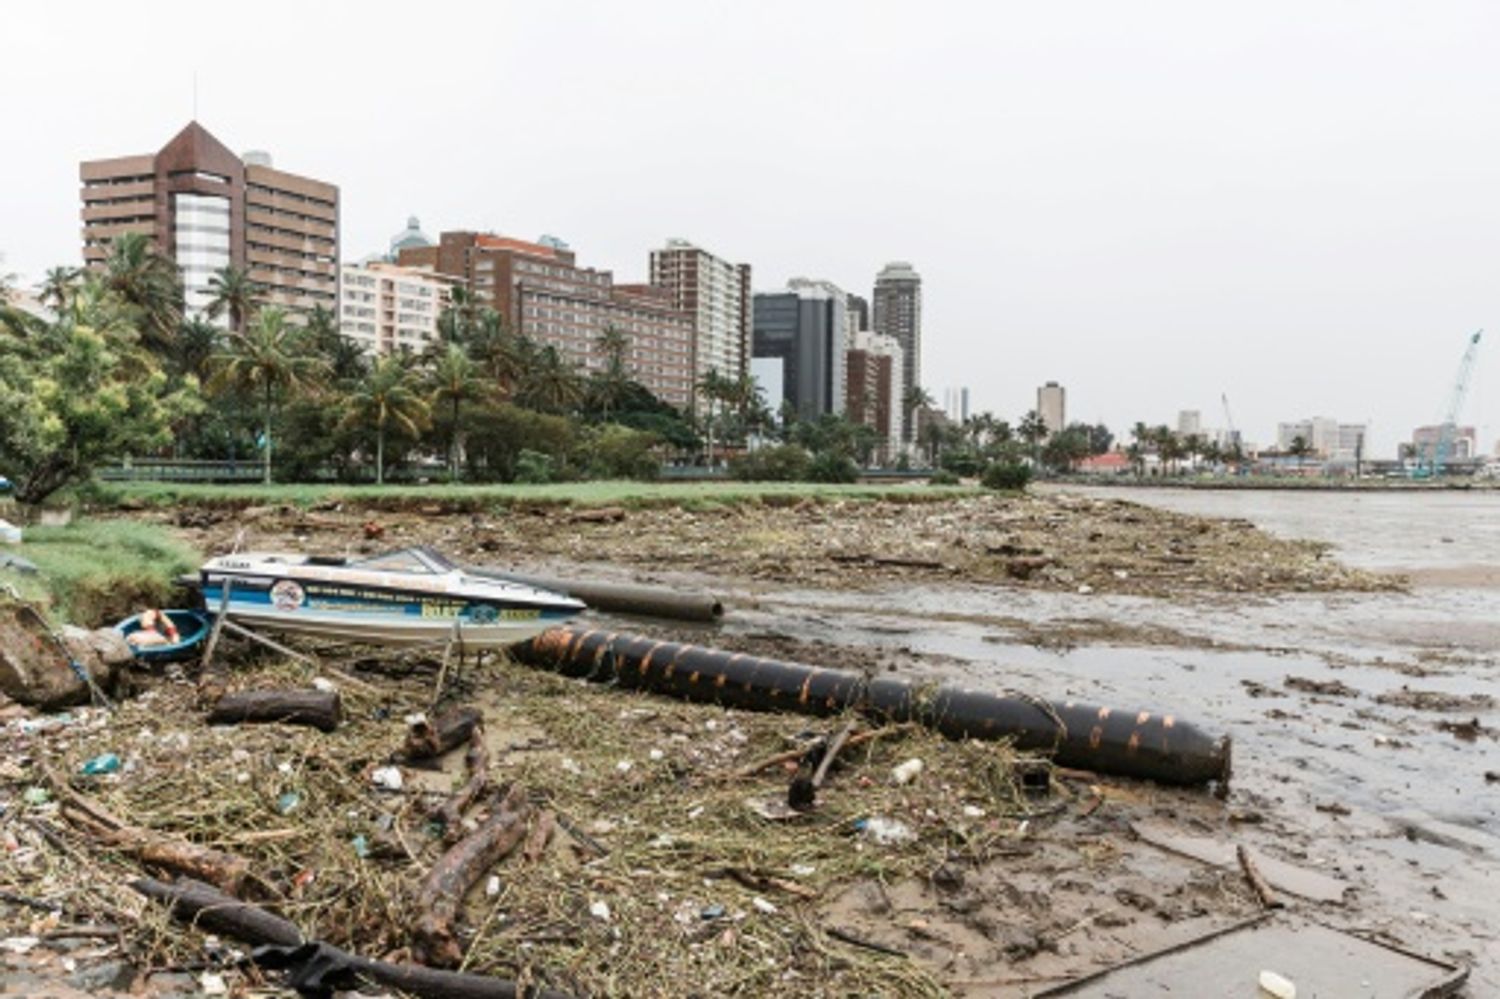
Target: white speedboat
(412, 596)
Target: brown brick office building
(205, 208)
(547, 296)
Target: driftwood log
(152, 848)
(450, 879)
(430, 737)
(477, 761)
(317, 708)
(203, 906)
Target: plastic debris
(105, 763)
(361, 846)
(492, 886)
(36, 796)
(386, 778)
(19, 945)
(288, 802)
(763, 906)
(212, 984)
(10, 534)
(885, 831)
(599, 910)
(1275, 985)
(325, 685)
(907, 772)
(714, 911)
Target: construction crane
(1231, 435)
(1448, 429)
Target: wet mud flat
(984, 889)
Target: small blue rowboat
(192, 628)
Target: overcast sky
(1154, 203)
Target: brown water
(1422, 842)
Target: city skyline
(1288, 205)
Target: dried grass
(675, 822)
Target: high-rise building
(544, 294)
(206, 208)
(805, 326)
(716, 293)
(1052, 407)
(956, 403)
(873, 388)
(897, 312)
(1326, 437)
(387, 307)
(1189, 421)
(859, 314)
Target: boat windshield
(414, 560)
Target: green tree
(713, 387)
(235, 293)
(148, 284)
(504, 355)
(346, 358)
(58, 287)
(914, 398)
(550, 384)
(197, 342)
(267, 360)
(1033, 430)
(1067, 447)
(456, 381)
(79, 392)
(389, 397)
(608, 388)
(1300, 448)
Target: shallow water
(1423, 841)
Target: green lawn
(93, 573)
(622, 493)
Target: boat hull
(371, 615)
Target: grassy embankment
(94, 573)
(499, 496)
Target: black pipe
(1128, 743)
(282, 946)
(620, 598)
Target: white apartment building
(1330, 439)
(388, 307)
(716, 293)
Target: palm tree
(455, 380)
(233, 292)
(346, 358)
(265, 360)
(1033, 429)
(614, 381)
(197, 342)
(58, 287)
(387, 397)
(504, 356)
(149, 284)
(713, 387)
(550, 384)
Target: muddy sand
(670, 878)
